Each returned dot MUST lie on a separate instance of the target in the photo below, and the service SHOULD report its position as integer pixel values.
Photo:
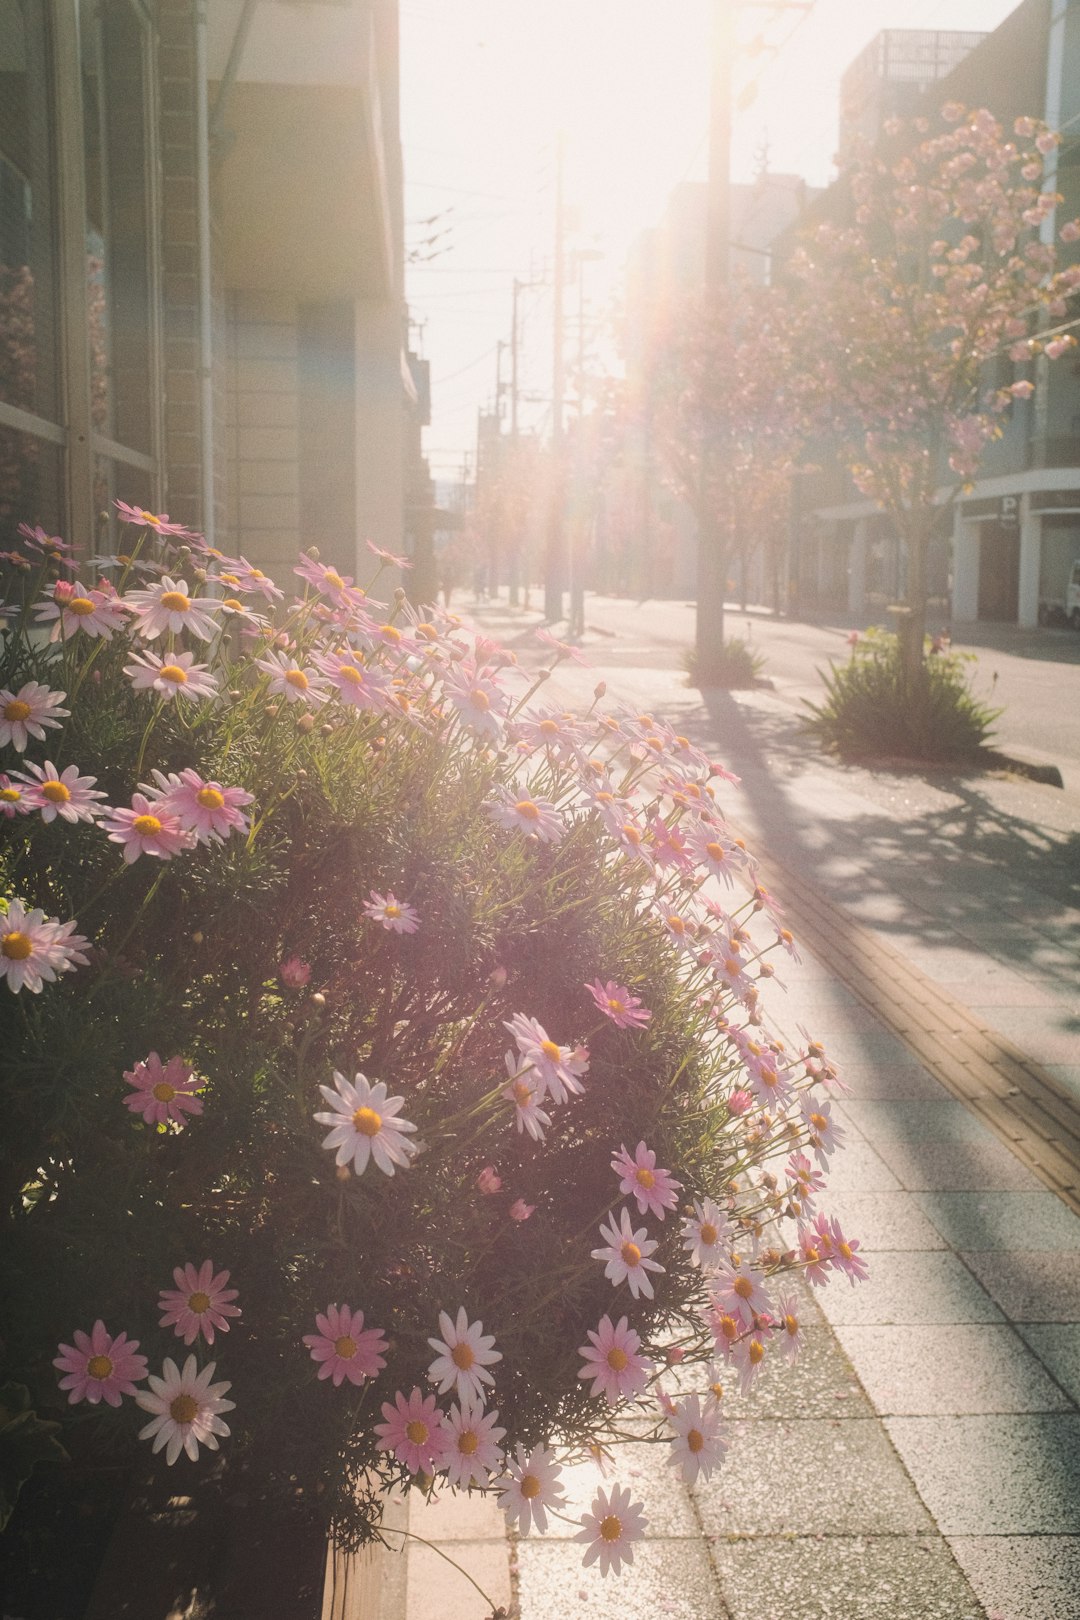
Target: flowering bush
(394, 1044)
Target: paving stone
(956, 1166)
(1000, 1475)
(843, 1578)
(892, 1081)
(910, 1287)
(809, 1477)
(643, 1467)
(953, 1368)
(1057, 1345)
(916, 1120)
(1030, 1285)
(670, 1579)
(857, 1168)
(822, 1384)
(884, 1220)
(456, 1516)
(1068, 1075)
(1023, 1577)
(871, 1045)
(1002, 1220)
(435, 1587)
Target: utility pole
(554, 561)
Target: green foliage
(739, 666)
(25, 1441)
(871, 710)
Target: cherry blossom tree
(945, 269)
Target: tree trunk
(913, 627)
(711, 587)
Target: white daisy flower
(626, 1254)
(611, 1528)
(699, 1444)
(464, 1354)
(472, 1445)
(187, 1409)
(365, 1126)
(529, 1487)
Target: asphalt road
(1033, 675)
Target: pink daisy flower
(738, 1290)
(146, 829)
(464, 1354)
(616, 1002)
(626, 1255)
(845, 1255)
(27, 712)
(520, 1211)
(187, 1409)
(393, 913)
(339, 588)
(205, 808)
(200, 1303)
(178, 675)
(64, 794)
(563, 648)
(12, 799)
(558, 1068)
(98, 1367)
(357, 686)
(35, 949)
(167, 607)
(76, 607)
(415, 1431)
(703, 1232)
(656, 1190)
(536, 818)
(612, 1361)
(244, 576)
(49, 545)
(344, 1347)
(388, 557)
(699, 1444)
(478, 701)
(529, 1486)
(526, 1098)
(788, 1327)
(610, 1530)
(163, 1092)
(365, 1126)
(150, 520)
(472, 1445)
(825, 1135)
(290, 681)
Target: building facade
(201, 278)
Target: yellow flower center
(164, 1092)
(10, 795)
(467, 1442)
(391, 632)
(183, 1408)
(604, 797)
(176, 602)
(655, 744)
(522, 1092)
(615, 1005)
(149, 517)
(16, 946)
(819, 1122)
(548, 728)
(345, 1347)
(229, 579)
(173, 672)
(791, 1324)
(617, 1359)
(529, 1487)
(743, 1287)
(462, 1356)
(716, 1391)
(611, 1527)
(392, 911)
(676, 925)
(146, 826)
(417, 1432)
(198, 1303)
(755, 1352)
(715, 852)
(729, 1328)
(527, 810)
(55, 792)
(210, 798)
(695, 1441)
(631, 1254)
(99, 1367)
(80, 606)
(296, 678)
(479, 699)
(631, 834)
(709, 1234)
(367, 1121)
(235, 606)
(350, 673)
(845, 1250)
(732, 966)
(812, 1255)
(16, 710)
(550, 1051)
(332, 577)
(645, 1178)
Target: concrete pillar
(826, 539)
(856, 580)
(380, 425)
(965, 569)
(1027, 616)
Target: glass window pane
(29, 484)
(28, 331)
(117, 219)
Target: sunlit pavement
(923, 1461)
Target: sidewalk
(923, 1460)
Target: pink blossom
(168, 606)
(558, 1068)
(163, 1092)
(616, 1002)
(655, 1190)
(740, 1102)
(75, 607)
(177, 675)
(344, 1347)
(626, 1255)
(27, 712)
(520, 1211)
(35, 949)
(204, 808)
(150, 520)
(394, 914)
(99, 1367)
(612, 1361)
(294, 972)
(415, 1431)
(12, 798)
(488, 1181)
(536, 818)
(54, 793)
(388, 557)
(146, 829)
(200, 1303)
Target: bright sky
(486, 84)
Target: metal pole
(554, 570)
(206, 316)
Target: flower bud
(599, 690)
(313, 553)
(497, 977)
(306, 723)
(198, 937)
(318, 999)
